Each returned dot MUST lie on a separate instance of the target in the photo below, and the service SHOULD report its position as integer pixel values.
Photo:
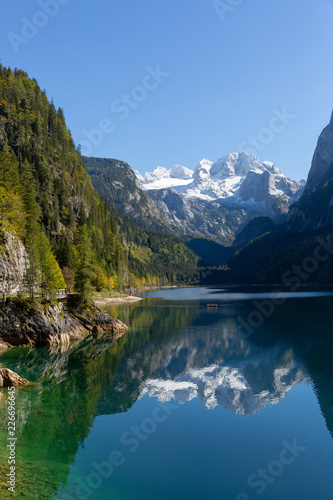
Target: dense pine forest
(71, 235)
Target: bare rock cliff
(13, 261)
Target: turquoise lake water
(233, 403)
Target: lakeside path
(116, 300)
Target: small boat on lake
(212, 305)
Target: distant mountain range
(238, 180)
(214, 201)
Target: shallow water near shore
(226, 403)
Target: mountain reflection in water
(178, 351)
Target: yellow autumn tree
(51, 275)
(111, 283)
(12, 214)
(100, 280)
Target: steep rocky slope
(13, 262)
(116, 181)
(199, 216)
(315, 208)
(322, 158)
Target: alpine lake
(233, 402)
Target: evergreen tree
(51, 276)
(33, 274)
(12, 216)
(32, 229)
(84, 262)
(9, 177)
(28, 190)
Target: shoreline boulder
(8, 378)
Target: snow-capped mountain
(238, 179)
(214, 200)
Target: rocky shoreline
(26, 323)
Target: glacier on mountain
(239, 179)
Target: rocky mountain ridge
(314, 209)
(116, 181)
(215, 200)
(199, 216)
(323, 156)
(235, 180)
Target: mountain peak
(204, 163)
(323, 156)
(234, 164)
(202, 168)
(158, 173)
(238, 178)
(180, 172)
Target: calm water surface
(191, 403)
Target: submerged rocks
(23, 322)
(8, 378)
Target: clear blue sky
(229, 73)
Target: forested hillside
(48, 201)
(116, 181)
